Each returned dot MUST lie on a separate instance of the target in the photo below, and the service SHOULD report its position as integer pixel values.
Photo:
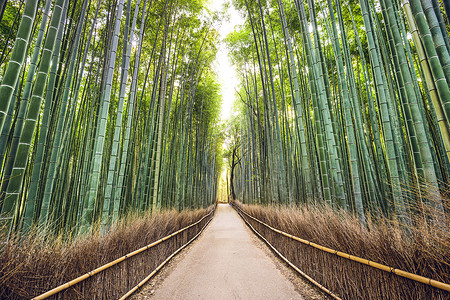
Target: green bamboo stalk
(94, 179)
(436, 68)
(15, 185)
(350, 130)
(17, 59)
(438, 37)
(392, 162)
(30, 209)
(111, 180)
(56, 152)
(442, 121)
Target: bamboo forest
(116, 101)
(112, 111)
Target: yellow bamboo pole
(134, 289)
(442, 121)
(398, 272)
(114, 262)
(310, 279)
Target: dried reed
(31, 266)
(423, 249)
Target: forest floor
(227, 262)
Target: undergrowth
(422, 249)
(36, 263)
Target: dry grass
(31, 266)
(424, 250)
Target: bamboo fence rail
(81, 278)
(397, 272)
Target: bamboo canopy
(344, 104)
(112, 107)
(102, 111)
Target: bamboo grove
(344, 103)
(106, 108)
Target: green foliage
(334, 106)
(130, 120)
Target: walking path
(226, 263)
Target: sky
(226, 72)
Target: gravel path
(227, 262)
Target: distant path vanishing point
(226, 263)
